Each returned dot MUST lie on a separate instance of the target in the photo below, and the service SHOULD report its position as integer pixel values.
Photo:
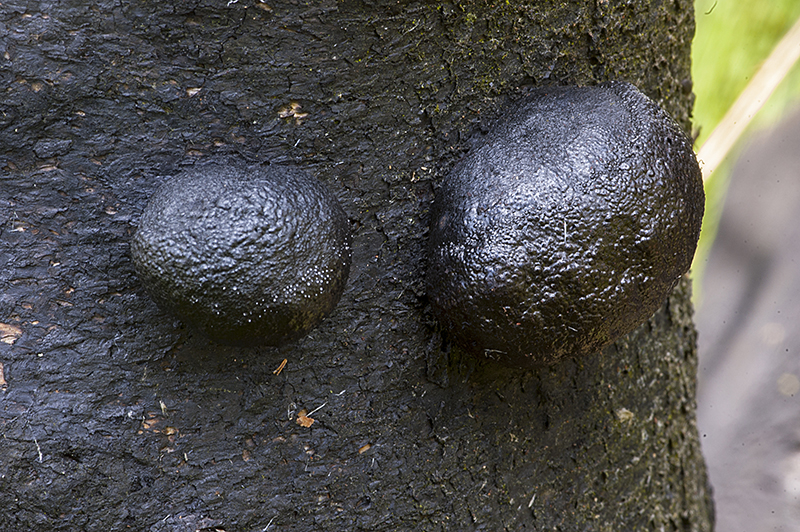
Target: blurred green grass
(732, 39)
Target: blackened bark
(114, 416)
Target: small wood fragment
(303, 420)
(280, 368)
(9, 334)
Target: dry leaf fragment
(9, 334)
(303, 420)
(3, 381)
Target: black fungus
(566, 227)
(248, 255)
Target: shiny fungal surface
(566, 227)
(248, 255)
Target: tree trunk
(115, 416)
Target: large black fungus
(566, 227)
(248, 255)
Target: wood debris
(303, 420)
(9, 334)
(280, 368)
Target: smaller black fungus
(248, 255)
(567, 227)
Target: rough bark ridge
(113, 415)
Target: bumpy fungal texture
(249, 255)
(567, 227)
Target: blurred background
(747, 269)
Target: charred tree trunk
(114, 416)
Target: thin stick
(280, 368)
(318, 408)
